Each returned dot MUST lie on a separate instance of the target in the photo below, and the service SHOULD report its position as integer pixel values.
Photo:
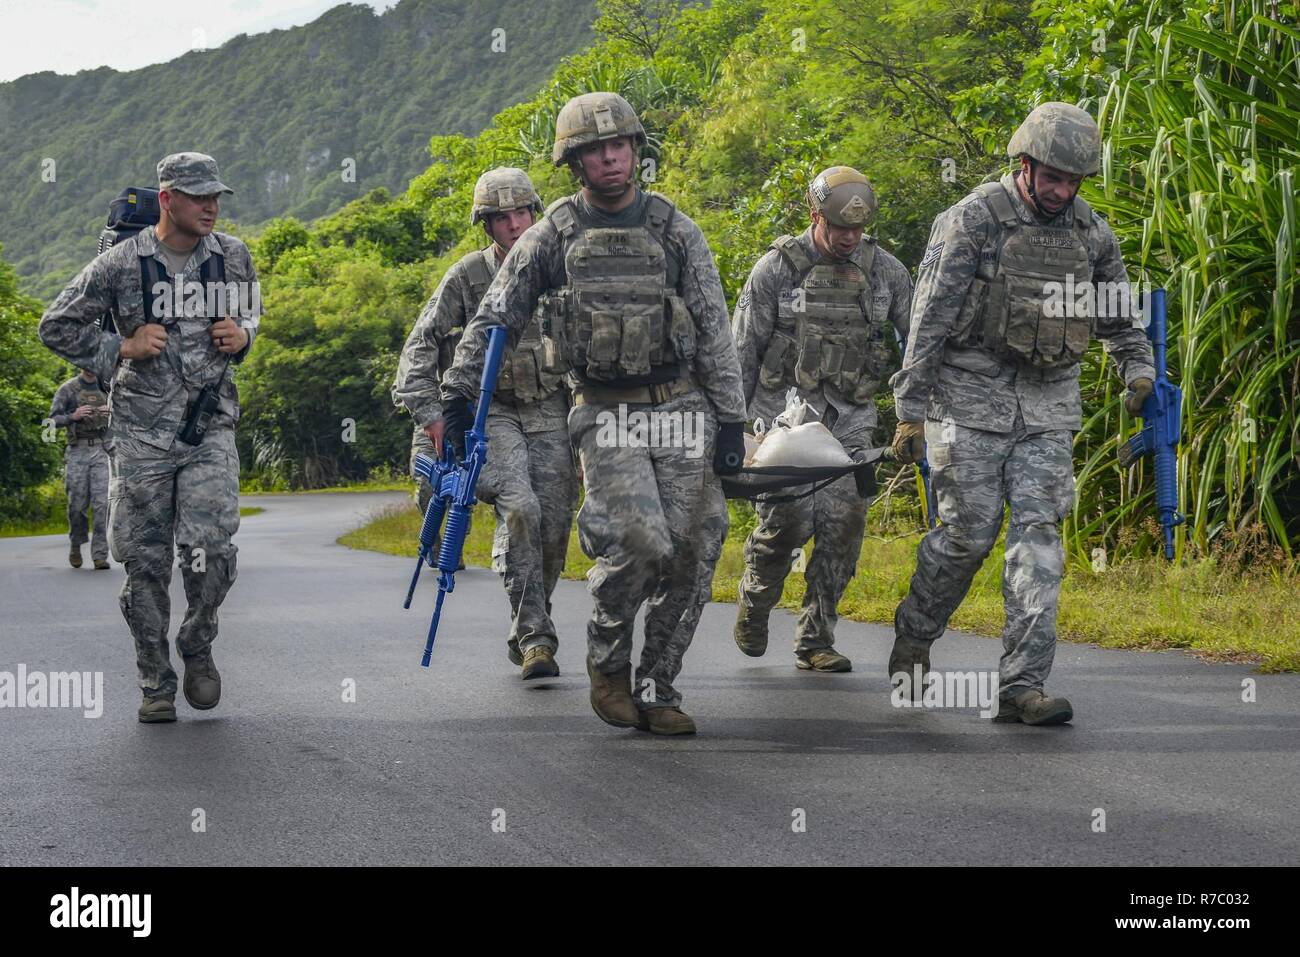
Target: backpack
(135, 208)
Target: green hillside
(280, 111)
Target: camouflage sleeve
(1124, 342)
(239, 268)
(943, 278)
(754, 320)
(717, 368)
(418, 372)
(900, 307)
(530, 268)
(64, 404)
(70, 326)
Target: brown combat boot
(202, 682)
(74, 556)
(539, 662)
(751, 630)
(823, 659)
(1034, 707)
(611, 696)
(666, 721)
(903, 659)
(155, 709)
(101, 563)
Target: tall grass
(1201, 132)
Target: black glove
(459, 420)
(729, 448)
(865, 477)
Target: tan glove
(909, 442)
(1137, 394)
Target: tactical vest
(533, 370)
(616, 320)
(828, 332)
(1006, 312)
(92, 426)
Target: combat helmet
(502, 189)
(592, 117)
(1060, 135)
(843, 196)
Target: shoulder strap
(564, 214)
(1082, 213)
(868, 257)
(658, 214)
(788, 246)
(995, 195)
(151, 273)
(476, 271)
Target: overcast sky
(71, 35)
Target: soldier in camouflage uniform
(820, 313)
(162, 489)
(529, 477)
(81, 407)
(990, 384)
(636, 311)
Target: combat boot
(513, 653)
(1034, 707)
(539, 662)
(101, 563)
(905, 656)
(822, 659)
(751, 630)
(202, 682)
(611, 696)
(666, 721)
(155, 709)
(74, 556)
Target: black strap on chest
(152, 272)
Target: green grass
(1211, 606)
(49, 513)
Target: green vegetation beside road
(1227, 607)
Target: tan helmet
(591, 117)
(843, 196)
(1060, 135)
(501, 189)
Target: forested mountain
(280, 111)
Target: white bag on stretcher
(797, 439)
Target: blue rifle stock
(453, 492)
(1161, 427)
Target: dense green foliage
(744, 100)
(28, 377)
(280, 111)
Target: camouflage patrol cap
(843, 196)
(592, 117)
(501, 189)
(192, 173)
(1060, 135)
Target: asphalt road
(464, 764)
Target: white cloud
(68, 36)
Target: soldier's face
(1054, 187)
(839, 241)
(606, 165)
(506, 227)
(196, 215)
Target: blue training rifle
(453, 493)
